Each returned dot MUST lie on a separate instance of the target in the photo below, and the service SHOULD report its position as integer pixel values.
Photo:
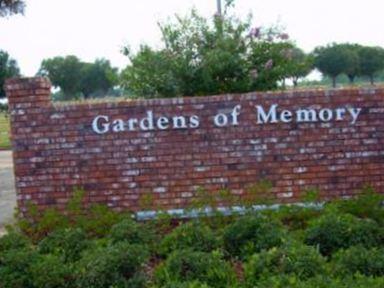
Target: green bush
(15, 268)
(359, 259)
(295, 217)
(13, 240)
(189, 265)
(333, 231)
(37, 225)
(369, 204)
(132, 232)
(251, 234)
(324, 281)
(194, 235)
(51, 272)
(114, 265)
(3, 108)
(368, 233)
(194, 284)
(67, 243)
(84, 249)
(300, 260)
(98, 220)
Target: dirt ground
(7, 189)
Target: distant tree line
(352, 60)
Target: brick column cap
(24, 83)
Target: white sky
(92, 29)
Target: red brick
(56, 150)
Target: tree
(162, 80)
(11, 7)
(76, 78)
(353, 68)
(97, 77)
(300, 65)
(271, 60)
(8, 69)
(65, 73)
(202, 57)
(371, 61)
(335, 59)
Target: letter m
(263, 117)
(306, 115)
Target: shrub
(118, 264)
(131, 232)
(300, 260)
(15, 266)
(251, 234)
(357, 281)
(36, 225)
(51, 272)
(98, 220)
(366, 232)
(295, 217)
(189, 265)
(67, 243)
(369, 204)
(194, 235)
(324, 281)
(13, 240)
(194, 284)
(115, 253)
(359, 259)
(333, 231)
(3, 108)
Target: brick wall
(56, 148)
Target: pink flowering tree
(202, 56)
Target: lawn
(4, 132)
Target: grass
(4, 132)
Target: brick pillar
(28, 100)
(26, 93)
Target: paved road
(7, 189)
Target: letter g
(98, 127)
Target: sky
(92, 29)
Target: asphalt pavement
(7, 189)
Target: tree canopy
(209, 56)
(11, 7)
(335, 59)
(8, 69)
(300, 66)
(352, 68)
(76, 78)
(353, 60)
(371, 61)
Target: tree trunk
(372, 79)
(295, 83)
(334, 82)
(351, 79)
